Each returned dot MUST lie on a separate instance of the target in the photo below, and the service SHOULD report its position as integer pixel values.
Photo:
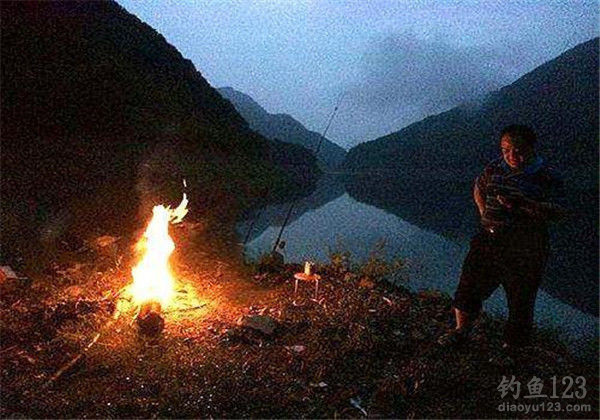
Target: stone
(74, 291)
(262, 323)
(150, 321)
(366, 283)
(106, 240)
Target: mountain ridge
(284, 127)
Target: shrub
(340, 259)
(378, 268)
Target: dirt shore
(253, 348)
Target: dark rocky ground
(364, 349)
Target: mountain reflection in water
(431, 261)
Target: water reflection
(432, 261)
(445, 206)
(328, 188)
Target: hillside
(424, 172)
(100, 114)
(283, 127)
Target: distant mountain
(283, 127)
(425, 172)
(97, 106)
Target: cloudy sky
(391, 62)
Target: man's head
(517, 143)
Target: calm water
(432, 261)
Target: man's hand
(544, 210)
(537, 209)
(513, 200)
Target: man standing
(517, 196)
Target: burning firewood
(153, 284)
(155, 291)
(150, 320)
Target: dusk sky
(396, 61)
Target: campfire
(155, 289)
(155, 293)
(152, 277)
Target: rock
(262, 323)
(418, 335)
(106, 240)
(151, 325)
(10, 281)
(150, 320)
(74, 291)
(366, 283)
(6, 272)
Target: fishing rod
(316, 152)
(252, 224)
(329, 123)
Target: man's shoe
(454, 337)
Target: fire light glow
(153, 280)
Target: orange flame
(152, 277)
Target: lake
(332, 220)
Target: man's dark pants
(514, 259)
